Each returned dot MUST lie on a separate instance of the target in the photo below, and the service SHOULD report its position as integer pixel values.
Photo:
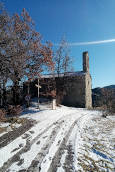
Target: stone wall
(75, 92)
(88, 91)
(79, 92)
(72, 89)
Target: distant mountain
(110, 86)
(103, 96)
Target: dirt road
(50, 145)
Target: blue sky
(80, 21)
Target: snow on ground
(65, 139)
(7, 126)
(3, 128)
(96, 151)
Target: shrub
(14, 110)
(112, 107)
(2, 114)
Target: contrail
(89, 43)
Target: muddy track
(68, 165)
(60, 128)
(59, 152)
(63, 146)
(16, 157)
(36, 163)
(12, 135)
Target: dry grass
(97, 136)
(2, 129)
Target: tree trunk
(4, 93)
(16, 94)
(28, 88)
(1, 100)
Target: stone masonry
(74, 88)
(79, 88)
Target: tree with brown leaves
(5, 39)
(26, 54)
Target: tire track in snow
(27, 147)
(67, 147)
(70, 155)
(36, 163)
(12, 135)
(28, 157)
(51, 160)
(56, 159)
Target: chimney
(85, 62)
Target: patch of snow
(31, 154)
(4, 124)
(16, 125)
(7, 151)
(61, 169)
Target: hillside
(110, 87)
(103, 96)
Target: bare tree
(63, 64)
(63, 60)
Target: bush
(109, 109)
(112, 107)
(2, 114)
(14, 110)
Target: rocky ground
(66, 139)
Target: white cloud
(90, 43)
